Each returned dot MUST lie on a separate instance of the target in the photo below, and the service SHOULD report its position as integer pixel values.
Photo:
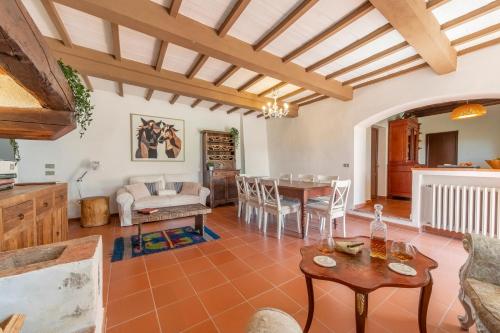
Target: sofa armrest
(204, 193)
(125, 200)
(483, 262)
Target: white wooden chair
(253, 200)
(306, 178)
(286, 177)
(279, 207)
(333, 209)
(242, 194)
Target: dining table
(303, 191)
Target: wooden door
(374, 163)
(441, 148)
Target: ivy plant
(15, 150)
(235, 135)
(83, 107)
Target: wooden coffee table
(199, 212)
(363, 275)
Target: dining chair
(306, 178)
(275, 205)
(333, 209)
(286, 176)
(242, 194)
(325, 179)
(253, 200)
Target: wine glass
(403, 251)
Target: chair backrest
(252, 189)
(240, 184)
(326, 179)
(269, 192)
(306, 178)
(286, 176)
(340, 191)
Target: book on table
(148, 211)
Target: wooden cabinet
(219, 151)
(33, 215)
(402, 156)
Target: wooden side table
(94, 211)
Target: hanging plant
(235, 134)
(83, 108)
(15, 150)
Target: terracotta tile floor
(392, 207)
(215, 287)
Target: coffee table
(363, 275)
(199, 212)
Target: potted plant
(235, 134)
(210, 165)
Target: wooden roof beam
(174, 99)
(215, 106)
(231, 18)
(249, 112)
(390, 76)
(232, 110)
(195, 103)
(226, 75)
(291, 94)
(432, 4)
(120, 89)
(306, 98)
(421, 30)
(102, 65)
(57, 21)
(175, 7)
(115, 33)
(199, 62)
(317, 99)
(270, 90)
(151, 18)
(297, 13)
(475, 35)
(159, 63)
(88, 84)
(330, 31)
(471, 15)
(251, 82)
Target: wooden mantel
(25, 57)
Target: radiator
(470, 209)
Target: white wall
(331, 132)
(108, 141)
(478, 138)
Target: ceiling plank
(231, 18)
(352, 47)
(432, 4)
(251, 82)
(421, 30)
(195, 103)
(232, 110)
(382, 69)
(102, 65)
(120, 89)
(475, 35)
(175, 7)
(58, 23)
(115, 33)
(306, 98)
(471, 15)
(368, 60)
(226, 75)
(297, 13)
(291, 94)
(174, 99)
(275, 87)
(479, 46)
(215, 106)
(248, 112)
(199, 62)
(313, 101)
(330, 31)
(390, 76)
(186, 32)
(88, 84)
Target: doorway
(441, 148)
(374, 163)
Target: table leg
(423, 305)
(361, 301)
(199, 223)
(139, 235)
(303, 203)
(310, 298)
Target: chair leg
(280, 222)
(260, 217)
(306, 227)
(240, 205)
(266, 214)
(299, 225)
(467, 320)
(330, 231)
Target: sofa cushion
(153, 188)
(138, 191)
(190, 188)
(149, 179)
(167, 192)
(166, 201)
(485, 298)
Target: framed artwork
(157, 138)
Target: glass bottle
(326, 243)
(378, 235)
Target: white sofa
(126, 202)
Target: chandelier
(273, 110)
(468, 111)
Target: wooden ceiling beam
(174, 99)
(260, 115)
(149, 94)
(199, 62)
(195, 103)
(291, 94)
(115, 33)
(159, 63)
(51, 10)
(369, 60)
(420, 28)
(390, 76)
(232, 110)
(248, 112)
(175, 7)
(231, 18)
(88, 84)
(352, 47)
(251, 82)
(479, 46)
(330, 31)
(120, 89)
(297, 13)
(313, 101)
(226, 75)
(475, 35)
(306, 98)
(186, 32)
(102, 65)
(215, 106)
(432, 4)
(481, 11)
(275, 87)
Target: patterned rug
(158, 241)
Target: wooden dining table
(303, 191)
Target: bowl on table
(494, 164)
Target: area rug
(158, 241)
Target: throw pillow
(190, 188)
(177, 186)
(167, 192)
(138, 190)
(153, 187)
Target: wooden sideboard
(222, 185)
(33, 215)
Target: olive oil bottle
(378, 235)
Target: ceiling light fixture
(273, 110)
(468, 111)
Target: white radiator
(471, 209)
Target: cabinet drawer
(61, 198)
(16, 214)
(44, 203)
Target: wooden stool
(95, 211)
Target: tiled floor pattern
(215, 287)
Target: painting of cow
(156, 138)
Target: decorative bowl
(494, 164)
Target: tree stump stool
(94, 211)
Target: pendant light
(468, 111)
